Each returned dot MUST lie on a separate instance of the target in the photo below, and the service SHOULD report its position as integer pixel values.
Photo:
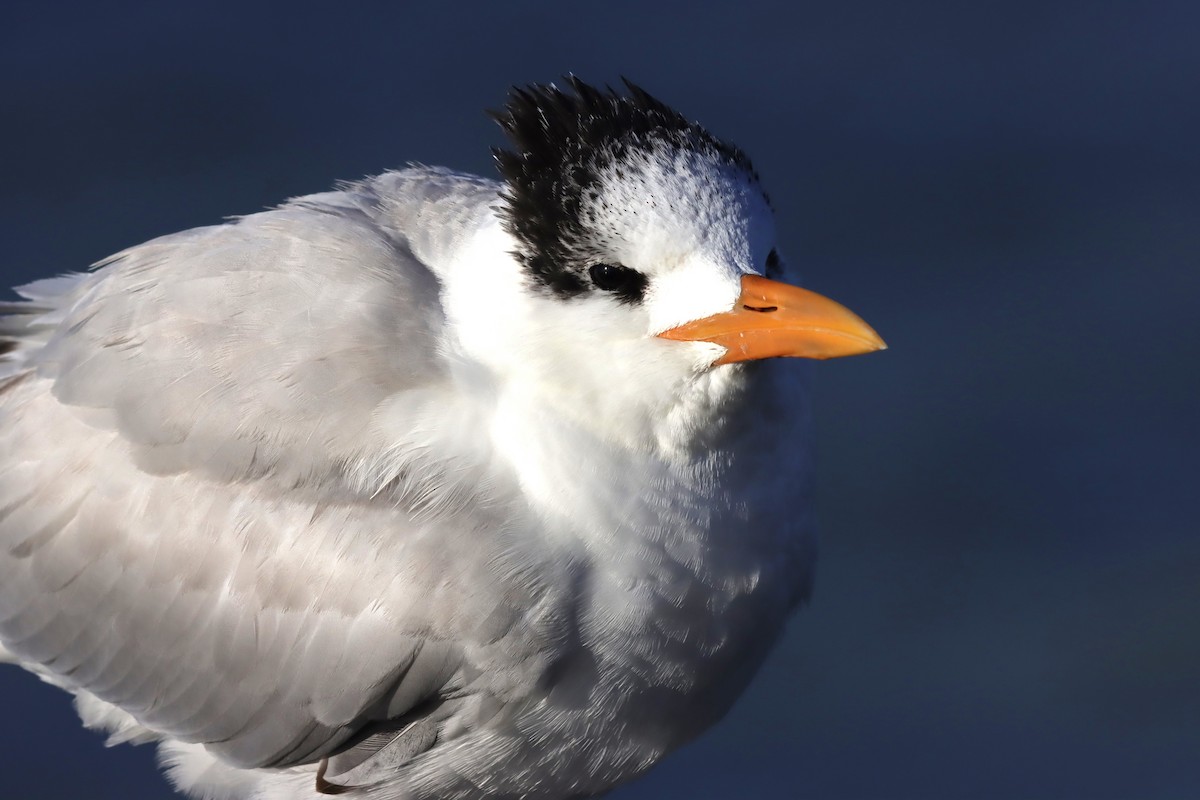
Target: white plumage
(348, 486)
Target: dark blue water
(1008, 603)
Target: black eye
(773, 264)
(627, 284)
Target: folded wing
(231, 457)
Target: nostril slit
(761, 309)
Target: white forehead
(656, 208)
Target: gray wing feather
(289, 326)
(191, 521)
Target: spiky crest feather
(561, 143)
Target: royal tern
(429, 487)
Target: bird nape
(429, 487)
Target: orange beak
(773, 319)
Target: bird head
(648, 265)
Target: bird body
(397, 491)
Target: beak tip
(871, 337)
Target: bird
(428, 486)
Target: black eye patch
(627, 284)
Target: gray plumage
(267, 499)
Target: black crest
(561, 141)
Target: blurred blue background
(1008, 600)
